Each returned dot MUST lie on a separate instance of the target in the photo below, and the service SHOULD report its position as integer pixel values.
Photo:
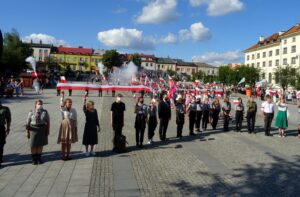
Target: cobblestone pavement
(212, 163)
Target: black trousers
(238, 120)
(179, 130)
(192, 121)
(198, 119)
(163, 126)
(251, 121)
(117, 131)
(268, 121)
(100, 93)
(139, 135)
(57, 92)
(70, 92)
(226, 122)
(151, 127)
(2, 141)
(1, 153)
(215, 117)
(205, 119)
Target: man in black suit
(164, 114)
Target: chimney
(80, 47)
(281, 32)
(261, 38)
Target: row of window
(285, 51)
(270, 63)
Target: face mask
(39, 106)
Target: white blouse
(65, 113)
(282, 106)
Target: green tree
(14, 52)
(110, 59)
(251, 74)
(286, 76)
(136, 59)
(200, 75)
(227, 75)
(171, 73)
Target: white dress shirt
(267, 107)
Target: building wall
(270, 62)
(186, 69)
(76, 62)
(40, 53)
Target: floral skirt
(67, 132)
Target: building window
(284, 61)
(146, 64)
(264, 64)
(294, 49)
(162, 66)
(74, 67)
(285, 50)
(40, 58)
(86, 59)
(253, 56)
(277, 51)
(264, 54)
(252, 64)
(270, 63)
(263, 76)
(294, 39)
(270, 53)
(293, 60)
(193, 70)
(257, 64)
(284, 42)
(75, 59)
(151, 65)
(277, 63)
(248, 57)
(68, 59)
(182, 69)
(258, 55)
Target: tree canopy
(111, 58)
(286, 76)
(136, 59)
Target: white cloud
(126, 38)
(170, 39)
(197, 32)
(158, 12)
(219, 7)
(215, 58)
(46, 39)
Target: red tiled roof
(294, 29)
(269, 40)
(69, 50)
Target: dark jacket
(164, 110)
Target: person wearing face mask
(68, 132)
(164, 114)
(198, 113)
(140, 121)
(117, 118)
(5, 120)
(152, 120)
(37, 130)
(192, 109)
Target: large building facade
(278, 49)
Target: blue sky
(211, 31)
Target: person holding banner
(226, 108)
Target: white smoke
(125, 74)
(100, 67)
(32, 61)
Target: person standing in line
(215, 114)
(180, 112)
(251, 114)
(117, 117)
(5, 120)
(37, 130)
(91, 127)
(164, 114)
(267, 109)
(226, 108)
(152, 120)
(140, 121)
(192, 109)
(282, 117)
(199, 107)
(68, 132)
(206, 109)
(239, 111)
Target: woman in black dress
(90, 136)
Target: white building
(207, 68)
(148, 61)
(279, 49)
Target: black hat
(119, 95)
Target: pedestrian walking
(37, 130)
(226, 108)
(191, 110)
(180, 113)
(117, 118)
(216, 107)
(251, 114)
(164, 114)
(91, 127)
(206, 110)
(282, 117)
(5, 121)
(239, 112)
(152, 120)
(140, 121)
(267, 109)
(68, 132)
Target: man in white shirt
(267, 109)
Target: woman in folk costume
(68, 127)
(282, 117)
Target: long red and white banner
(74, 86)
